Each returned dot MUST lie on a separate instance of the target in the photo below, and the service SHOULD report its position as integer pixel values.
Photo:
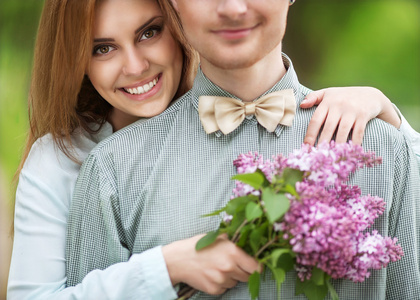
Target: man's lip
(234, 33)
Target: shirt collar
(203, 86)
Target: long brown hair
(62, 98)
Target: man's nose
(232, 9)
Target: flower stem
(237, 232)
(270, 242)
(186, 293)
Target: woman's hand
(213, 269)
(345, 108)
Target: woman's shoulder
(45, 157)
(45, 154)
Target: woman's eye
(149, 33)
(103, 49)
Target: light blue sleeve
(412, 136)
(37, 268)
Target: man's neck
(248, 83)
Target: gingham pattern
(149, 183)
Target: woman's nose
(135, 63)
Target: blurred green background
(331, 42)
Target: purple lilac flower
(373, 252)
(325, 221)
(331, 164)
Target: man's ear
(175, 4)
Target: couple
(148, 184)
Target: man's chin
(234, 62)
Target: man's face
(233, 34)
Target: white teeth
(143, 89)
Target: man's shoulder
(377, 129)
(385, 140)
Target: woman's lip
(146, 95)
(143, 82)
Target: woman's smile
(136, 64)
(138, 89)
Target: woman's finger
(358, 131)
(330, 127)
(315, 124)
(313, 98)
(346, 124)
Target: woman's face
(136, 64)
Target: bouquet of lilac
(297, 212)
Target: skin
(213, 269)
(130, 52)
(239, 42)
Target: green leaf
(318, 276)
(266, 182)
(291, 176)
(207, 240)
(331, 289)
(215, 213)
(279, 275)
(257, 237)
(311, 290)
(238, 219)
(244, 235)
(255, 240)
(254, 285)
(276, 204)
(256, 179)
(253, 211)
(238, 204)
(289, 189)
(300, 286)
(286, 262)
(276, 254)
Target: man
(155, 179)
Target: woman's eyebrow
(147, 24)
(102, 40)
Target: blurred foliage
(18, 24)
(331, 42)
(359, 42)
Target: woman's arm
(347, 108)
(38, 261)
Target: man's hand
(213, 269)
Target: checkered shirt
(150, 183)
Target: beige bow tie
(225, 114)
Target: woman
(98, 66)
